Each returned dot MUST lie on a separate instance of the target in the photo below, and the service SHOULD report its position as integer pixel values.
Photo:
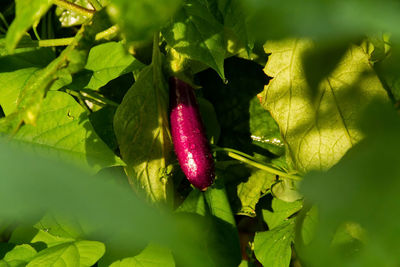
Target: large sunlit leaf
(63, 130)
(318, 133)
(195, 33)
(142, 130)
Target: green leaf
(264, 130)
(281, 210)
(61, 255)
(142, 130)
(20, 255)
(69, 18)
(318, 134)
(151, 256)
(286, 189)
(234, 15)
(226, 237)
(60, 227)
(34, 90)
(24, 19)
(149, 16)
(250, 191)
(310, 223)
(195, 33)
(194, 203)
(273, 248)
(11, 84)
(102, 121)
(63, 130)
(90, 252)
(16, 70)
(109, 61)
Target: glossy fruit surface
(188, 135)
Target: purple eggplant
(188, 135)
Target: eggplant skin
(188, 135)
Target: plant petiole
(252, 161)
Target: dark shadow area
(102, 122)
(232, 101)
(2, 112)
(116, 89)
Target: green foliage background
(299, 100)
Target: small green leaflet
(109, 61)
(195, 33)
(318, 133)
(281, 211)
(250, 191)
(151, 256)
(19, 256)
(273, 248)
(79, 253)
(27, 13)
(63, 130)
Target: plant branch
(74, 7)
(258, 165)
(55, 42)
(3, 19)
(108, 33)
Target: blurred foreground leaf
(43, 184)
(149, 16)
(359, 196)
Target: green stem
(3, 19)
(264, 167)
(80, 99)
(96, 4)
(107, 34)
(215, 148)
(34, 28)
(55, 42)
(66, 41)
(74, 7)
(99, 97)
